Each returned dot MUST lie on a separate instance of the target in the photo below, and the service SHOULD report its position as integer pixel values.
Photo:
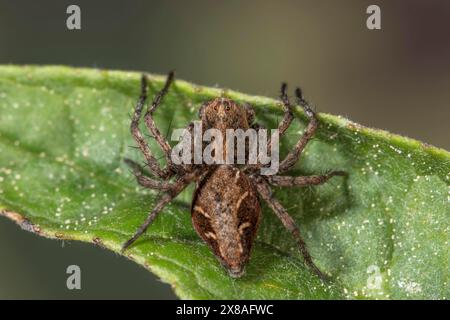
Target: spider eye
(215, 107)
(227, 107)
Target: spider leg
(289, 223)
(282, 126)
(167, 197)
(144, 180)
(289, 181)
(288, 114)
(138, 137)
(150, 123)
(287, 117)
(190, 129)
(295, 153)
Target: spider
(225, 207)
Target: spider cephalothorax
(225, 207)
(223, 113)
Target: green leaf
(380, 233)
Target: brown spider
(225, 206)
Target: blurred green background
(397, 78)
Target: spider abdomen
(226, 213)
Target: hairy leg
(282, 126)
(150, 123)
(287, 118)
(289, 223)
(144, 180)
(288, 114)
(152, 162)
(301, 181)
(311, 128)
(167, 197)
